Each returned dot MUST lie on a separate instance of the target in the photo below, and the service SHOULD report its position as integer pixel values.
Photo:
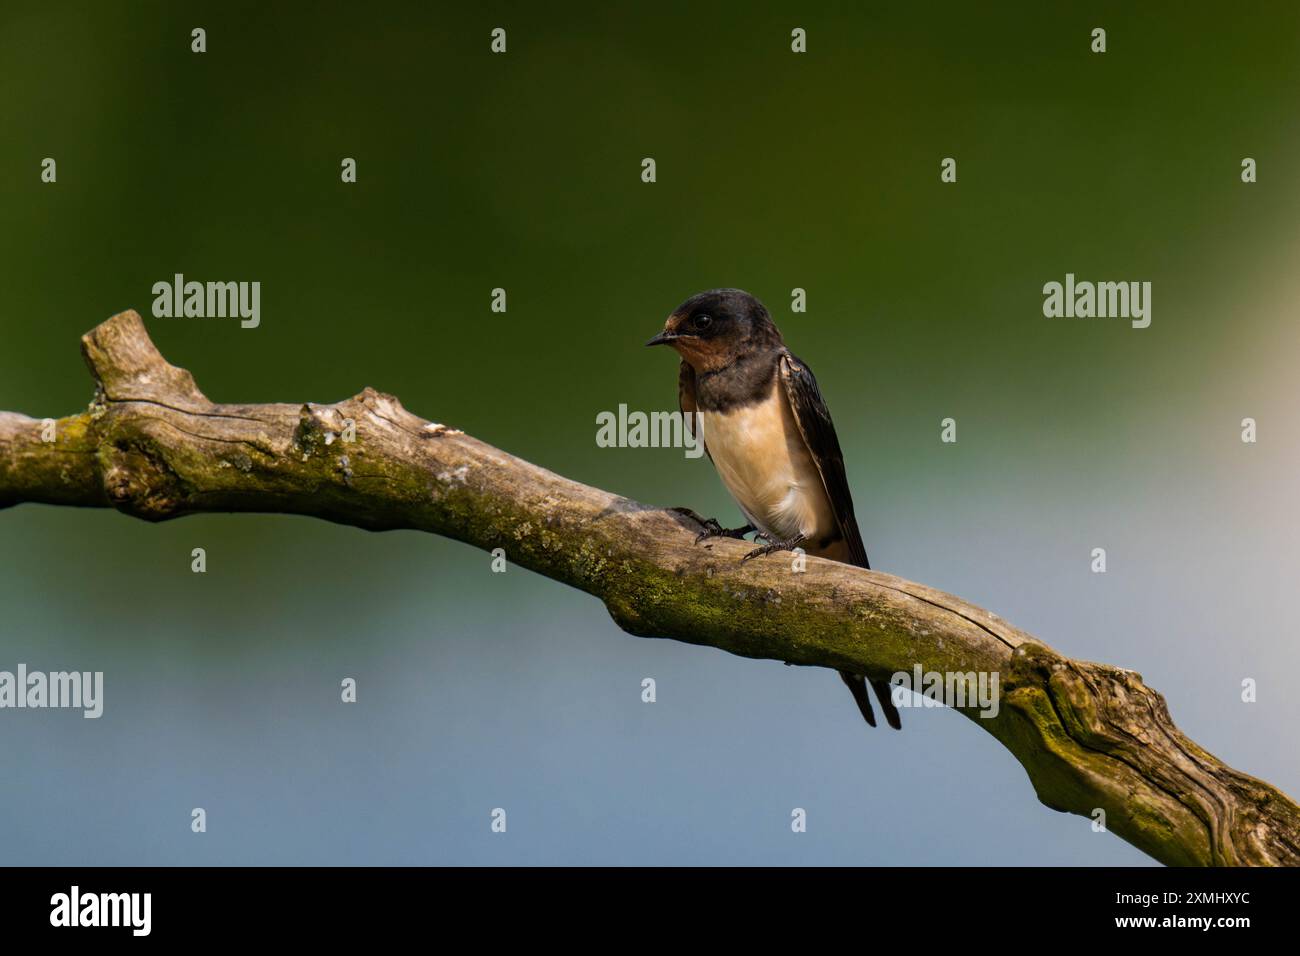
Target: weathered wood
(1089, 735)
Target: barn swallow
(768, 432)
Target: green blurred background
(522, 171)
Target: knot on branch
(1098, 730)
(319, 426)
(1099, 706)
(138, 481)
(384, 410)
(1070, 716)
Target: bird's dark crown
(715, 328)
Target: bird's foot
(772, 547)
(712, 529)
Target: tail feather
(857, 685)
(858, 688)
(883, 692)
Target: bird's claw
(712, 529)
(772, 547)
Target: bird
(768, 432)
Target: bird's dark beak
(663, 338)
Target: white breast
(763, 461)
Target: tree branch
(1089, 735)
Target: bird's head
(712, 329)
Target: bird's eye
(702, 321)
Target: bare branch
(1090, 736)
